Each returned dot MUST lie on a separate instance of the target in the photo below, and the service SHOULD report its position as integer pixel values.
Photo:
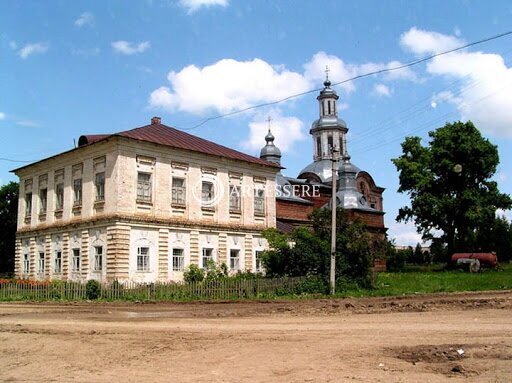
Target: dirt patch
(406, 339)
(455, 359)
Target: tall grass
(424, 282)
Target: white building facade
(141, 206)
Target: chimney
(155, 120)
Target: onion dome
(270, 152)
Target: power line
(11, 160)
(426, 124)
(385, 70)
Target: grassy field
(424, 282)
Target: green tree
(418, 258)
(8, 216)
(497, 237)
(449, 183)
(307, 251)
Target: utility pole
(334, 159)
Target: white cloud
(193, 5)
(486, 82)
(404, 234)
(33, 48)
(85, 19)
(129, 48)
(230, 85)
(28, 123)
(314, 70)
(286, 130)
(422, 42)
(504, 213)
(382, 90)
(2, 116)
(226, 85)
(86, 52)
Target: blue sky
(81, 67)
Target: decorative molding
(179, 165)
(99, 164)
(43, 181)
(77, 170)
(146, 160)
(207, 170)
(235, 176)
(28, 184)
(59, 175)
(144, 219)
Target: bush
(193, 273)
(396, 260)
(92, 289)
(312, 285)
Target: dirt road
(437, 338)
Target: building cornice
(111, 219)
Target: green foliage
(215, 272)
(497, 236)
(439, 251)
(450, 184)
(92, 289)
(395, 260)
(310, 250)
(193, 273)
(313, 284)
(8, 216)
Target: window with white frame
(234, 259)
(57, 266)
(28, 204)
(259, 200)
(76, 260)
(207, 256)
(144, 187)
(178, 191)
(207, 192)
(235, 198)
(258, 267)
(178, 260)
(43, 200)
(98, 258)
(99, 183)
(143, 259)
(59, 196)
(40, 263)
(77, 191)
(26, 264)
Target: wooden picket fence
(221, 289)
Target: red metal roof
(165, 135)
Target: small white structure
(141, 205)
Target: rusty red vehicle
(474, 261)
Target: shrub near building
(306, 252)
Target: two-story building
(141, 205)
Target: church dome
(270, 152)
(270, 149)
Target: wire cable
(385, 70)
